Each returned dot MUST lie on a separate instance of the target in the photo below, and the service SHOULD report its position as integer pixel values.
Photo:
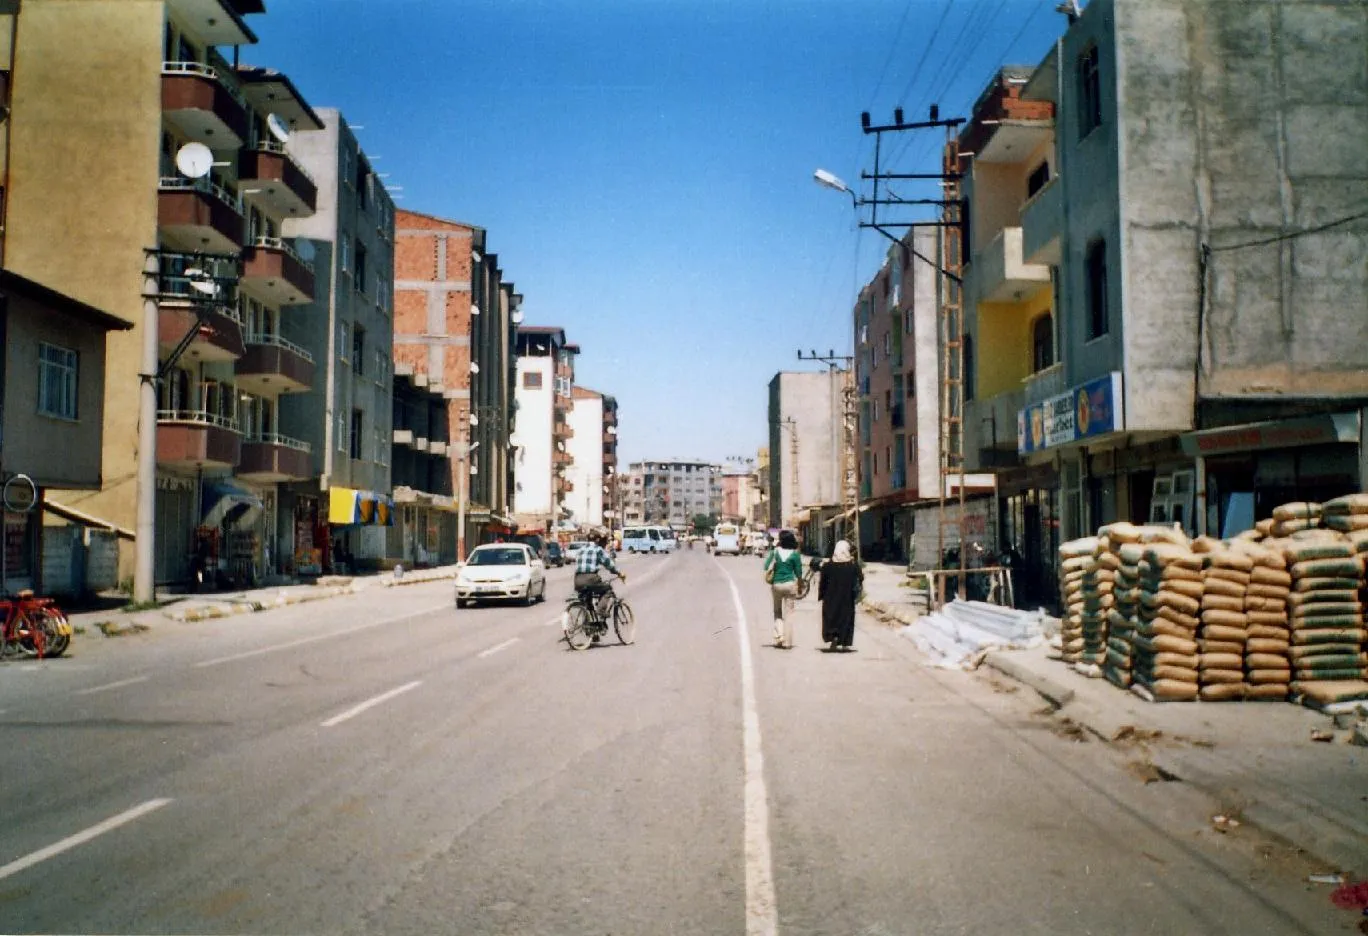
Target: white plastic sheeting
(958, 636)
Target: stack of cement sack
(1164, 644)
(1086, 588)
(1223, 630)
(1124, 616)
(1268, 670)
(1293, 518)
(1325, 607)
(1346, 514)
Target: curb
(888, 612)
(1057, 693)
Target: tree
(704, 523)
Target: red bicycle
(33, 627)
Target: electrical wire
(921, 59)
(897, 36)
(1291, 235)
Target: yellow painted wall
(85, 133)
(1003, 351)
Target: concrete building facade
(805, 446)
(336, 516)
(671, 493)
(545, 376)
(588, 473)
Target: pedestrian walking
(838, 588)
(783, 569)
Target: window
(57, 371)
(358, 349)
(1096, 269)
(532, 380)
(359, 276)
(876, 410)
(1042, 343)
(344, 254)
(1037, 179)
(967, 366)
(357, 444)
(908, 326)
(1089, 93)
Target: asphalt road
(384, 763)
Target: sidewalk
(197, 607)
(1258, 759)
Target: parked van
(728, 540)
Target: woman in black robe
(837, 589)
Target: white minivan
(727, 539)
(637, 540)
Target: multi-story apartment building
(806, 446)
(1160, 262)
(455, 321)
(740, 496)
(897, 377)
(421, 470)
(631, 495)
(593, 457)
(344, 502)
(94, 168)
(545, 376)
(672, 493)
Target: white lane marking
(497, 647)
(260, 651)
(370, 703)
(762, 917)
(114, 685)
(80, 838)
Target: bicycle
(805, 583)
(33, 627)
(586, 619)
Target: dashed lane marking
(80, 838)
(370, 703)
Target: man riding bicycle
(589, 581)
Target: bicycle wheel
(56, 631)
(624, 623)
(804, 586)
(576, 627)
(32, 637)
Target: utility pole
(849, 474)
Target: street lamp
(833, 182)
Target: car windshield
(508, 555)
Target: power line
(883, 73)
(921, 60)
(1291, 235)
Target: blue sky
(644, 167)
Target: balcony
(274, 273)
(1044, 384)
(271, 365)
(437, 447)
(270, 457)
(1042, 219)
(199, 102)
(275, 182)
(561, 430)
(217, 336)
(191, 439)
(1001, 273)
(198, 215)
(560, 459)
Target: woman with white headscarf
(838, 589)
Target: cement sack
(1233, 692)
(1208, 647)
(1165, 554)
(1268, 619)
(1298, 510)
(1328, 693)
(1276, 593)
(1298, 652)
(1264, 556)
(1348, 504)
(1225, 632)
(1207, 544)
(1180, 660)
(1225, 588)
(1216, 602)
(1231, 559)
(1277, 661)
(1238, 576)
(1326, 635)
(1282, 528)
(1270, 605)
(1169, 599)
(1213, 677)
(1165, 643)
(1350, 610)
(1323, 596)
(1267, 677)
(1175, 616)
(1171, 690)
(1323, 583)
(1170, 573)
(1266, 645)
(1221, 618)
(1334, 661)
(1266, 693)
(1119, 678)
(1348, 523)
(1336, 674)
(1188, 588)
(1231, 661)
(1359, 540)
(1175, 673)
(1118, 661)
(1158, 627)
(1264, 527)
(1321, 568)
(1263, 575)
(1326, 622)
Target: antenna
(194, 160)
(279, 129)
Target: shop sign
(1276, 434)
(1091, 409)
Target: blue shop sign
(1092, 409)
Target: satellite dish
(474, 367)
(194, 160)
(474, 420)
(279, 129)
(305, 248)
(474, 309)
(201, 282)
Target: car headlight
(521, 577)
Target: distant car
(555, 556)
(501, 572)
(572, 549)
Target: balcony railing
(1044, 384)
(275, 438)
(204, 105)
(198, 417)
(206, 185)
(274, 181)
(275, 341)
(269, 456)
(277, 147)
(200, 70)
(275, 274)
(199, 214)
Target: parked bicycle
(587, 618)
(33, 627)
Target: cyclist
(589, 582)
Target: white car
(572, 549)
(501, 572)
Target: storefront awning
(223, 503)
(347, 506)
(1273, 434)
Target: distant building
(806, 446)
(672, 493)
(593, 457)
(545, 375)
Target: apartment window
(357, 439)
(358, 349)
(1037, 179)
(1089, 93)
(907, 322)
(887, 344)
(888, 458)
(340, 432)
(359, 276)
(1042, 343)
(967, 366)
(1099, 321)
(57, 379)
(876, 410)
(362, 185)
(532, 380)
